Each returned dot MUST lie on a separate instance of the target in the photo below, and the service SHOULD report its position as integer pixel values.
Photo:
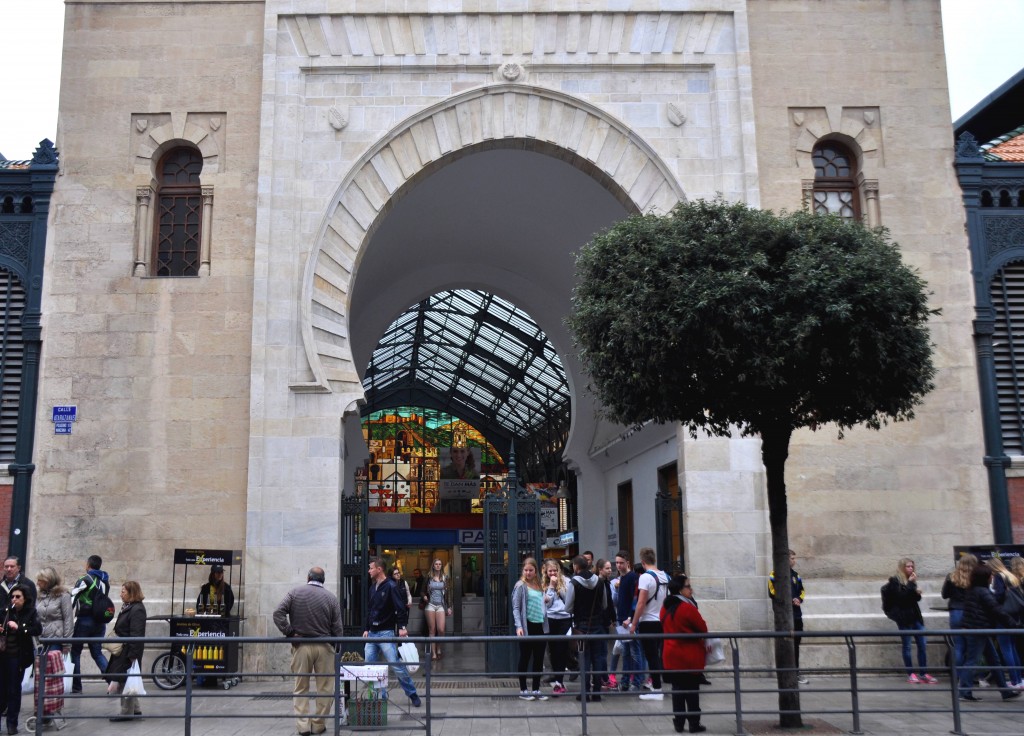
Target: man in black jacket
(387, 612)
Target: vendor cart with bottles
(208, 630)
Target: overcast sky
(984, 48)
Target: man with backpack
(90, 589)
(652, 591)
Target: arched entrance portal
(493, 190)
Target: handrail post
(851, 648)
(582, 658)
(188, 689)
(41, 690)
(954, 686)
(737, 689)
(337, 688)
(426, 690)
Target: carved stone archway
(497, 116)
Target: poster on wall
(460, 474)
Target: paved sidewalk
(462, 706)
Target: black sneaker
(970, 698)
(1007, 694)
(415, 700)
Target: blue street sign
(62, 427)
(65, 414)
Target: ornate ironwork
(354, 557)
(511, 533)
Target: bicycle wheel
(169, 671)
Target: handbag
(714, 652)
(133, 685)
(111, 644)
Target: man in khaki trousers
(311, 611)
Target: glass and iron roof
(474, 355)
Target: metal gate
(355, 537)
(511, 533)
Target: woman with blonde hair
(1007, 590)
(954, 589)
(559, 621)
(531, 620)
(438, 605)
(901, 599)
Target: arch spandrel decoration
(496, 116)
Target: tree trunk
(774, 451)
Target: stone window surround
(155, 134)
(859, 129)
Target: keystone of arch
(501, 115)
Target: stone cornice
(573, 37)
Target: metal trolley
(207, 633)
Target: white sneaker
(802, 679)
(538, 695)
(525, 695)
(654, 694)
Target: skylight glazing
(472, 350)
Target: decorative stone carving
(967, 146)
(675, 115)
(215, 124)
(511, 71)
(141, 124)
(45, 154)
(798, 118)
(14, 240)
(869, 117)
(337, 118)
(1003, 232)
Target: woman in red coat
(683, 658)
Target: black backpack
(889, 600)
(1013, 606)
(95, 603)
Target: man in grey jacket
(311, 611)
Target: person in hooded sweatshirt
(981, 611)
(590, 603)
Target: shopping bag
(69, 668)
(408, 653)
(133, 685)
(28, 682)
(53, 689)
(714, 652)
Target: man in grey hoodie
(590, 602)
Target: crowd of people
(46, 608)
(590, 600)
(546, 602)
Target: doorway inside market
(462, 571)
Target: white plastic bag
(69, 670)
(408, 653)
(28, 682)
(133, 685)
(714, 652)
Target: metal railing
(848, 693)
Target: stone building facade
(357, 155)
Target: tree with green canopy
(728, 318)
